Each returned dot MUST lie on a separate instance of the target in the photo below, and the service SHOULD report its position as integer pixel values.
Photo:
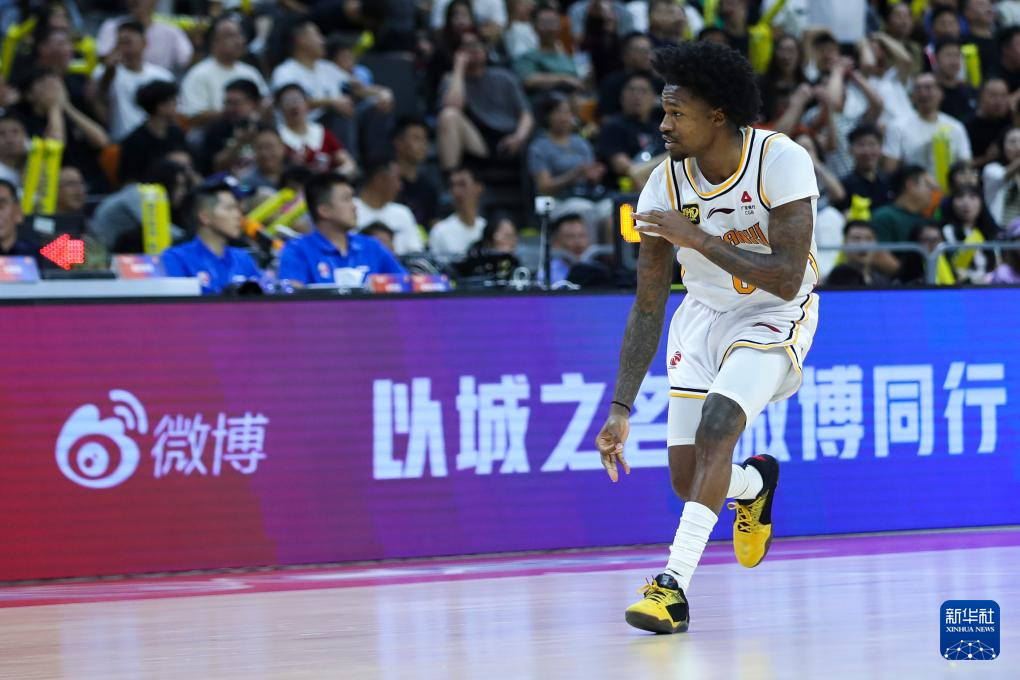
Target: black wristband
(620, 403)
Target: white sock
(745, 483)
(696, 524)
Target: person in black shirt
(637, 58)
(420, 189)
(990, 122)
(1009, 57)
(157, 136)
(632, 138)
(980, 16)
(958, 97)
(228, 143)
(865, 180)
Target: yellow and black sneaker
(663, 609)
(752, 527)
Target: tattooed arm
(640, 341)
(780, 272)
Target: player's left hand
(672, 225)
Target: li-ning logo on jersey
(745, 197)
(721, 211)
(691, 211)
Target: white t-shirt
(774, 170)
(450, 238)
(125, 114)
(324, 81)
(205, 83)
(910, 139)
(399, 218)
(893, 92)
(166, 45)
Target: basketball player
(739, 206)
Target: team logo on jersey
(674, 360)
(691, 211)
(745, 197)
(721, 211)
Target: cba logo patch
(970, 630)
(691, 211)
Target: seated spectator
(866, 180)
(218, 221)
(966, 220)
(450, 238)
(419, 186)
(784, 76)
(637, 58)
(72, 192)
(909, 140)
(568, 240)
(10, 218)
(373, 103)
(117, 222)
(491, 15)
(117, 80)
(157, 136)
(630, 144)
(321, 80)
(493, 256)
(376, 202)
(959, 99)
(270, 161)
(912, 189)
(46, 111)
(914, 269)
(858, 270)
(1008, 273)
(547, 67)
(166, 45)
(333, 246)
(1001, 179)
(13, 148)
(484, 111)
(981, 30)
(562, 163)
(667, 23)
(309, 143)
(520, 37)
(205, 83)
(460, 21)
(53, 50)
(602, 27)
(1009, 57)
(381, 233)
(228, 142)
(990, 121)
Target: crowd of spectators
(418, 133)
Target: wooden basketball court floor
(827, 608)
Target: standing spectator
(227, 142)
(117, 80)
(630, 144)
(376, 202)
(990, 121)
(958, 97)
(561, 162)
(204, 85)
(1008, 273)
(166, 45)
(858, 270)
(450, 238)
(270, 161)
(46, 111)
(548, 67)
(315, 258)
(484, 111)
(967, 220)
(980, 16)
(637, 58)
(419, 187)
(1002, 180)
(866, 180)
(209, 257)
(157, 136)
(322, 81)
(909, 140)
(13, 149)
(310, 143)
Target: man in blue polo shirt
(217, 216)
(331, 253)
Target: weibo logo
(99, 453)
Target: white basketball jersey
(773, 170)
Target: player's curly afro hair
(715, 73)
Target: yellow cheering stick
(53, 153)
(33, 173)
(155, 219)
(269, 207)
(86, 46)
(289, 217)
(972, 64)
(759, 51)
(15, 34)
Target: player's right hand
(610, 442)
